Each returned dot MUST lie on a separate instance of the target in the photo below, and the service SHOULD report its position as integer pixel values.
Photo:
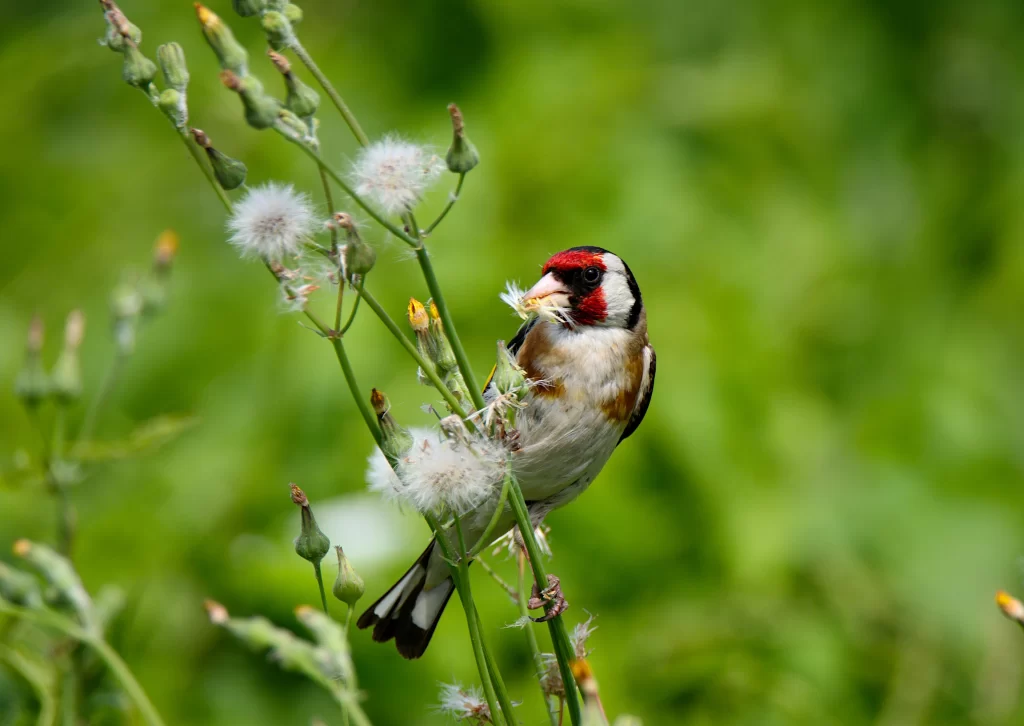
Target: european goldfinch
(592, 368)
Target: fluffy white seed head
(441, 474)
(515, 297)
(271, 222)
(394, 173)
(464, 704)
(580, 635)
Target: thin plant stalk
(107, 654)
(66, 507)
(92, 413)
(556, 626)
(499, 509)
(320, 584)
(531, 636)
(29, 672)
(350, 378)
(473, 618)
(467, 605)
(422, 362)
(332, 93)
(447, 207)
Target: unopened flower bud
(172, 62)
(419, 321)
(66, 378)
(19, 587)
(154, 287)
(348, 586)
(357, 257)
(126, 305)
(138, 70)
(396, 441)
(164, 251)
(443, 355)
(1011, 606)
(462, 155)
(508, 377)
(32, 384)
(294, 13)
(230, 172)
(247, 8)
(311, 544)
(120, 32)
(261, 110)
(278, 29)
(230, 53)
(301, 99)
(172, 103)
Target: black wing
(645, 398)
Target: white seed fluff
(271, 222)
(441, 474)
(394, 173)
(464, 704)
(514, 298)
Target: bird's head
(587, 286)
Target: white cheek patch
(618, 300)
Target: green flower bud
(396, 441)
(67, 373)
(275, 5)
(138, 70)
(172, 62)
(247, 8)
(462, 155)
(59, 572)
(443, 355)
(357, 257)
(348, 587)
(507, 375)
(261, 110)
(229, 51)
(172, 103)
(32, 385)
(125, 305)
(278, 30)
(294, 13)
(20, 588)
(120, 31)
(311, 544)
(302, 99)
(230, 172)
(154, 287)
(295, 127)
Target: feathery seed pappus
(587, 351)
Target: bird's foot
(550, 595)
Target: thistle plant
(456, 471)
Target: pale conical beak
(548, 293)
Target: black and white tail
(407, 612)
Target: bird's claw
(552, 594)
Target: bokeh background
(822, 203)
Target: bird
(592, 367)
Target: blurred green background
(822, 203)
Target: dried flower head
(579, 637)
(464, 704)
(394, 173)
(514, 297)
(441, 474)
(271, 222)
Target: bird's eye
(591, 275)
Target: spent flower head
(464, 704)
(395, 173)
(271, 222)
(441, 474)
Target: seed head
(348, 587)
(271, 222)
(395, 173)
(311, 544)
(462, 155)
(464, 704)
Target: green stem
(499, 509)
(531, 636)
(447, 207)
(556, 626)
(35, 679)
(425, 366)
(339, 103)
(109, 656)
(449, 328)
(329, 196)
(492, 665)
(473, 621)
(352, 314)
(60, 487)
(350, 378)
(350, 706)
(320, 584)
(206, 169)
(96, 404)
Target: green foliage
(821, 203)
